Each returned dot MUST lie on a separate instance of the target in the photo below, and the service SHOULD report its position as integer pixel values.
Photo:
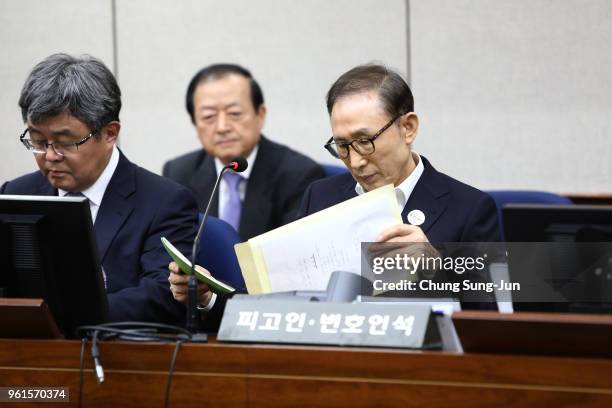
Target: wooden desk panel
(221, 375)
(589, 198)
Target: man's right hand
(179, 282)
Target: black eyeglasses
(61, 149)
(364, 146)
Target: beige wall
(511, 94)
(516, 94)
(294, 49)
(30, 30)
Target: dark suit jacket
(454, 212)
(137, 209)
(274, 189)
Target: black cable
(140, 330)
(106, 332)
(171, 371)
(81, 364)
(95, 354)
(134, 331)
(192, 283)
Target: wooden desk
(588, 198)
(222, 375)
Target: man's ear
(110, 132)
(409, 124)
(261, 116)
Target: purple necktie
(233, 206)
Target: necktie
(73, 194)
(233, 206)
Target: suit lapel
(347, 188)
(116, 205)
(46, 189)
(430, 195)
(202, 183)
(257, 205)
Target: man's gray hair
(82, 86)
(394, 93)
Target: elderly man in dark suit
(227, 108)
(71, 110)
(374, 125)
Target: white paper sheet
(302, 255)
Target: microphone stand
(192, 286)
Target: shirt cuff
(211, 303)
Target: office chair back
(217, 254)
(503, 197)
(332, 169)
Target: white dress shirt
(403, 191)
(96, 191)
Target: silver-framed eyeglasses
(364, 146)
(61, 149)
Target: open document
(302, 255)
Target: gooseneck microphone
(237, 165)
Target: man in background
(226, 106)
(70, 107)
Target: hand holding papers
(303, 254)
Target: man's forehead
(224, 91)
(365, 108)
(230, 83)
(214, 105)
(368, 98)
(63, 123)
(356, 116)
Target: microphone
(238, 165)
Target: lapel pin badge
(416, 217)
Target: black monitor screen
(570, 246)
(48, 250)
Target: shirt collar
(250, 160)
(403, 191)
(96, 191)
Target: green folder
(185, 265)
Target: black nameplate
(342, 324)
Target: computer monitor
(49, 251)
(576, 260)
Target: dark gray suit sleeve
(182, 168)
(166, 170)
(150, 298)
(305, 205)
(299, 184)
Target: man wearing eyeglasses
(374, 126)
(70, 107)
